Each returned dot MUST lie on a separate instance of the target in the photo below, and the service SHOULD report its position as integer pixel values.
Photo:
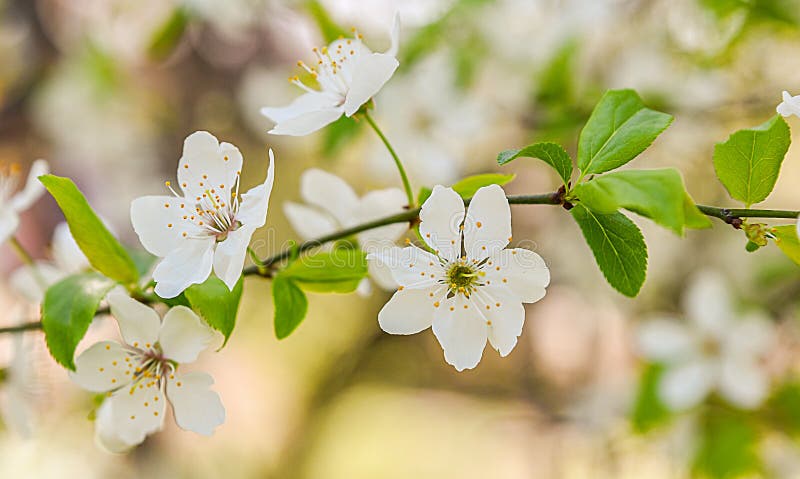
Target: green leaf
(290, 303)
(551, 153)
(783, 409)
(618, 247)
(338, 134)
(467, 187)
(216, 304)
(329, 29)
(337, 271)
(655, 194)
(104, 252)
(169, 34)
(695, 218)
(424, 194)
(787, 241)
(68, 309)
(748, 163)
(728, 446)
(620, 128)
(648, 410)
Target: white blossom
(208, 227)
(14, 200)
(789, 106)
(32, 281)
(715, 350)
(348, 74)
(141, 375)
(18, 380)
(471, 289)
(332, 205)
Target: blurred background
(107, 90)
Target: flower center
(710, 347)
(333, 70)
(147, 366)
(9, 180)
(463, 277)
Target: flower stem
(397, 162)
(28, 260)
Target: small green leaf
(551, 153)
(290, 303)
(215, 303)
(783, 409)
(620, 128)
(68, 309)
(648, 410)
(329, 29)
(424, 194)
(467, 187)
(787, 241)
(655, 194)
(337, 271)
(104, 252)
(169, 34)
(729, 445)
(618, 247)
(338, 134)
(748, 163)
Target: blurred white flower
(208, 227)
(789, 106)
(32, 282)
(332, 205)
(17, 382)
(348, 73)
(714, 350)
(472, 288)
(14, 200)
(141, 371)
(434, 125)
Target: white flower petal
(66, 252)
(487, 227)
(307, 123)
(789, 106)
(686, 385)
(662, 339)
(378, 204)
(504, 315)
(708, 304)
(309, 222)
(101, 367)
(188, 265)
(441, 217)
(410, 311)
(307, 103)
(9, 222)
(255, 203)
(159, 222)
(195, 406)
(329, 193)
(382, 275)
(230, 255)
(743, 383)
(370, 73)
(751, 336)
(105, 435)
(461, 331)
(208, 165)
(16, 411)
(521, 270)
(138, 323)
(411, 267)
(394, 36)
(33, 187)
(136, 411)
(27, 281)
(184, 335)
